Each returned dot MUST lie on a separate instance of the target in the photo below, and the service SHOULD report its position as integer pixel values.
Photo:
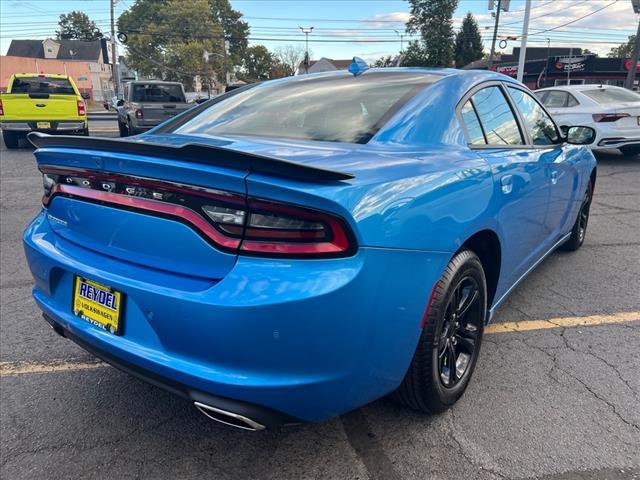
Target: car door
(557, 159)
(521, 184)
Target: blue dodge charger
(292, 250)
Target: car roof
(577, 88)
(146, 82)
(32, 75)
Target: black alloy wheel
(579, 231)
(450, 341)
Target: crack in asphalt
(556, 366)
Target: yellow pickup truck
(44, 103)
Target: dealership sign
(511, 70)
(571, 64)
(627, 65)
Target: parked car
(44, 103)
(295, 249)
(613, 112)
(111, 104)
(146, 104)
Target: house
(86, 62)
(323, 65)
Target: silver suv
(148, 103)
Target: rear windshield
(334, 109)
(58, 86)
(154, 92)
(612, 95)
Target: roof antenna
(358, 66)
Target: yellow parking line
(20, 368)
(562, 322)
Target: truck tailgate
(23, 106)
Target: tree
(77, 26)
(623, 51)
(415, 55)
(468, 46)
(257, 65)
(387, 61)
(432, 19)
(179, 39)
(289, 57)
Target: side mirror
(120, 103)
(580, 135)
(85, 95)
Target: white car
(613, 112)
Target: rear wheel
(631, 150)
(11, 139)
(450, 342)
(579, 231)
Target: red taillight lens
(139, 113)
(1, 108)
(278, 229)
(81, 108)
(608, 117)
(229, 221)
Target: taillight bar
(229, 221)
(608, 117)
(1, 108)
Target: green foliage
(432, 19)
(257, 64)
(77, 25)
(179, 39)
(468, 46)
(623, 51)
(387, 61)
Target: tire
(631, 150)
(11, 139)
(428, 385)
(122, 128)
(579, 230)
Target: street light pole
(114, 73)
(306, 32)
(635, 56)
(523, 41)
(546, 67)
(495, 35)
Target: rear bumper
(618, 142)
(309, 339)
(32, 126)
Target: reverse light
(229, 221)
(608, 117)
(81, 108)
(139, 113)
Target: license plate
(98, 304)
(43, 124)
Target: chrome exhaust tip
(229, 418)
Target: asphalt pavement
(549, 399)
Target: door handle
(554, 177)
(506, 183)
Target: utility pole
(495, 35)
(546, 67)
(306, 32)
(569, 65)
(401, 35)
(114, 74)
(523, 41)
(635, 56)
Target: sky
(365, 28)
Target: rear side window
(612, 95)
(540, 126)
(154, 92)
(50, 85)
(557, 99)
(340, 108)
(497, 119)
(471, 121)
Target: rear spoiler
(194, 152)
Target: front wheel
(579, 231)
(450, 341)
